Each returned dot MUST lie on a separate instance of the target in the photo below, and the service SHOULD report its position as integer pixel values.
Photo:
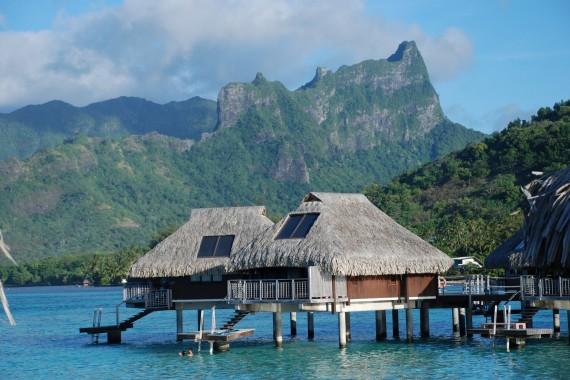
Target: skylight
(216, 246)
(297, 226)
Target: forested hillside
(468, 202)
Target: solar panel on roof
(216, 246)
(297, 226)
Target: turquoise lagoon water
(46, 344)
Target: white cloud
(489, 121)
(174, 49)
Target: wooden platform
(216, 336)
(530, 333)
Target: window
(297, 226)
(216, 246)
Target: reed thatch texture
(176, 256)
(351, 237)
(508, 254)
(547, 226)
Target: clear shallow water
(46, 344)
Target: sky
(490, 61)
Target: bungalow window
(216, 246)
(297, 226)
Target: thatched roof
(543, 242)
(507, 255)
(176, 256)
(350, 237)
(547, 226)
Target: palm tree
(4, 248)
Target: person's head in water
(190, 353)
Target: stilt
(293, 324)
(424, 321)
(199, 317)
(380, 325)
(469, 320)
(342, 329)
(409, 324)
(462, 321)
(568, 321)
(348, 336)
(114, 337)
(556, 321)
(179, 321)
(395, 324)
(455, 319)
(310, 325)
(277, 334)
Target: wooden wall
(374, 287)
(184, 289)
(392, 286)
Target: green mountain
(468, 202)
(31, 128)
(361, 124)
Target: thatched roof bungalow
(543, 244)
(191, 260)
(344, 236)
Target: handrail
(268, 290)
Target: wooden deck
(216, 336)
(529, 333)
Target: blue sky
(490, 61)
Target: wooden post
(179, 321)
(381, 325)
(455, 319)
(310, 325)
(395, 324)
(462, 321)
(114, 337)
(293, 324)
(568, 321)
(277, 332)
(556, 320)
(469, 321)
(348, 336)
(424, 321)
(199, 316)
(342, 329)
(409, 324)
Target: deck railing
(144, 293)
(247, 291)
(552, 287)
(478, 285)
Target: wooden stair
(237, 317)
(123, 326)
(527, 314)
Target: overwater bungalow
(186, 270)
(540, 251)
(336, 253)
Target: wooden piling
(462, 321)
(310, 325)
(198, 318)
(424, 321)
(556, 320)
(455, 319)
(568, 321)
(114, 337)
(381, 325)
(277, 329)
(395, 324)
(293, 324)
(342, 329)
(409, 324)
(348, 335)
(179, 321)
(469, 320)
